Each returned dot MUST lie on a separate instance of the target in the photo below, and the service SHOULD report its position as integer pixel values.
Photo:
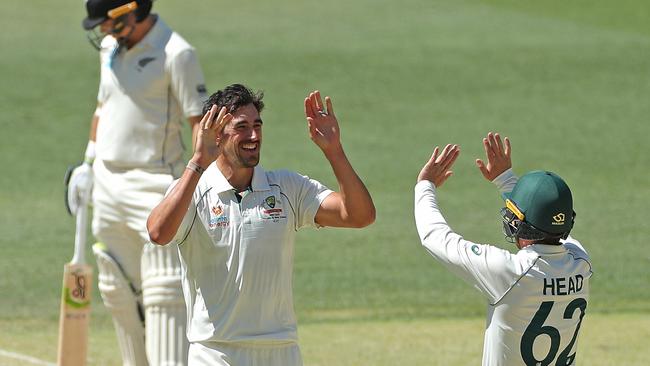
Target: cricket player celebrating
(150, 80)
(537, 298)
(235, 226)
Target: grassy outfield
(381, 343)
(566, 80)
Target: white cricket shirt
(237, 257)
(145, 91)
(536, 297)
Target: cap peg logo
(558, 219)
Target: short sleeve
(188, 83)
(306, 196)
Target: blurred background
(567, 81)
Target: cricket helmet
(540, 206)
(102, 10)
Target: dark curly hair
(233, 97)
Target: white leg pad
(164, 305)
(120, 299)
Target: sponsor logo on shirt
(476, 249)
(219, 219)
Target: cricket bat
(75, 298)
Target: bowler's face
(242, 138)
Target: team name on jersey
(563, 285)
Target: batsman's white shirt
(536, 297)
(145, 91)
(237, 257)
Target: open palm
(323, 125)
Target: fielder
(235, 226)
(537, 298)
(150, 79)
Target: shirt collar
(259, 182)
(157, 35)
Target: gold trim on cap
(515, 210)
(121, 10)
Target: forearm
(357, 206)
(435, 234)
(166, 218)
(93, 124)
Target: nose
(255, 134)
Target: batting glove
(79, 184)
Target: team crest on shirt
(271, 209)
(218, 218)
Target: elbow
(156, 236)
(364, 219)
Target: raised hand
(498, 156)
(323, 126)
(206, 149)
(436, 170)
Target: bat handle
(81, 229)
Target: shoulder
(177, 47)
(502, 260)
(285, 177)
(106, 47)
(108, 42)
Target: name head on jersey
(540, 201)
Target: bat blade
(75, 315)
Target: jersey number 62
(537, 328)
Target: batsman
(150, 81)
(536, 298)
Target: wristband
(194, 167)
(89, 155)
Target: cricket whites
(75, 298)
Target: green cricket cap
(545, 201)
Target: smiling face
(241, 140)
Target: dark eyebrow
(244, 122)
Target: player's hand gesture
(498, 156)
(436, 170)
(207, 149)
(323, 126)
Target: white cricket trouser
(122, 202)
(227, 354)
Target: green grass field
(568, 81)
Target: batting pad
(164, 305)
(123, 303)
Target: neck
(140, 30)
(522, 243)
(239, 178)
